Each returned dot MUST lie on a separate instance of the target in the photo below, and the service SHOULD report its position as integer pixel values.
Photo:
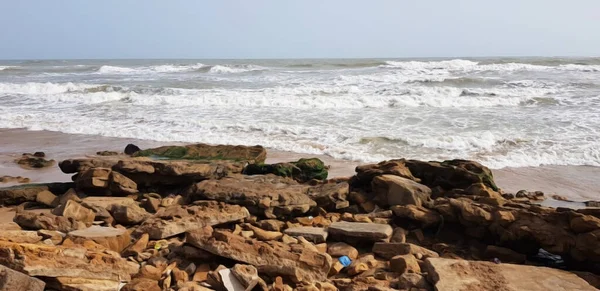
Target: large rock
(105, 181)
(392, 249)
(421, 214)
(302, 170)
(27, 193)
(267, 195)
(451, 275)
(360, 231)
(366, 173)
(115, 239)
(396, 190)
(253, 154)
(314, 234)
(452, 174)
(35, 161)
(75, 211)
(301, 264)
(36, 221)
(55, 261)
(20, 236)
(17, 281)
(128, 215)
(179, 219)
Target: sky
(100, 29)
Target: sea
(502, 112)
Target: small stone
(138, 247)
(404, 263)
(265, 235)
(314, 234)
(47, 198)
(201, 273)
(342, 249)
(399, 235)
(357, 268)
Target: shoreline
(577, 183)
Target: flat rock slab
(460, 275)
(57, 261)
(362, 231)
(107, 202)
(17, 281)
(314, 234)
(177, 219)
(115, 239)
(299, 263)
(20, 236)
(16, 195)
(389, 250)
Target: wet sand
(578, 183)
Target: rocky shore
(207, 217)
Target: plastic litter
(345, 260)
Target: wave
(468, 66)
(234, 69)
(107, 69)
(2, 68)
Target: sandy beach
(577, 183)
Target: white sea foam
(106, 69)
(228, 69)
(2, 68)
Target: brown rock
(254, 154)
(584, 223)
(390, 250)
(342, 249)
(180, 275)
(11, 179)
(55, 261)
(271, 224)
(412, 280)
(421, 214)
(141, 284)
(55, 236)
(272, 257)
(121, 185)
(201, 273)
(248, 276)
(265, 235)
(29, 161)
(150, 272)
(480, 189)
(397, 190)
(151, 204)
(399, 235)
(404, 263)
(17, 281)
(115, 239)
(164, 225)
(267, 195)
(360, 231)
(449, 274)
(16, 195)
(314, 234)
(36, 221)
(366, 173)
(47, 198)
(128, 215)
(20, 236)
(76, 212)
(138, 247)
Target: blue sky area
(76, 29)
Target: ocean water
(502, 112)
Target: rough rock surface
(276, 258)
(17, 281)
(254, 154)
(314, 234)
(115, 239)
(270, 195)
(396, 190)
(26, 193)
(360, 231)
(302, 170)
(451, 275)
(177, 219)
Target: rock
(314, 234)
(11, 179)
(412, 280)
(390, 250)
(17, 281)
(75, 211)
(584, 223)
(399, 235)
(115, 239)
(57, 261)
(29, 161)
(397, 190)
(107, 153)
(254, 154)
(16, 195)
(248, 276)
(271, 258)
(151, 204)
(82, 165)
(480, 189)
(201, 273)
(229, 281)
(84, 284)
(141, 284)
(131, 149)
(138, 247)
(128, 215)
(119, 185)
(265, 235)
(47, 198)
(20, 236)
(163, 225)
(404, 263)
(180, 276)
(107, 202)
(449, 274)
(340, 249)
(151, 272)
(505, 255)
(370, 232)
(366, 173)
(271, 224)
(330, 196)
(36, 221)
(268, 195)
(425, 216)
(303, 170)
(56, 237)
(452, 174)
(104, 181)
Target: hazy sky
(297, 29)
